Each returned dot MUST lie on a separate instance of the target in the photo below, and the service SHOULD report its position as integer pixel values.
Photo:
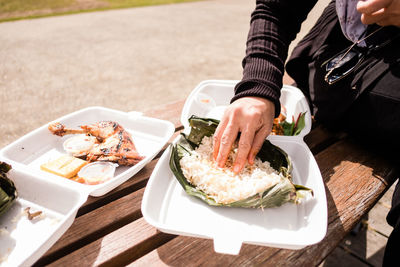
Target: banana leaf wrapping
(282, 192)
(8, 192)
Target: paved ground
(131, 59)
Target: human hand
(381, 12)
(253, 118)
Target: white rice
(221, 183)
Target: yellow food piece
(65, 166)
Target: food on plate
(80, 170)
(282, 127)
(66, 166)
(96, 173)
(265, 184)
(8, 191)
(222, 184)
(113, 143)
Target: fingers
(377, 18)
(258, 142)
(217, 137)
(371, 6)
(245, 144)
(251, 116)
(225, 143)
(373, 18)
(381, 12)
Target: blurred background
(127, 55)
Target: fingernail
(219, 164)
(251, 161)
(236, 168)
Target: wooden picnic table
(111, 231)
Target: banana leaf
(8, 192)
(282, 192)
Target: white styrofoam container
(59, 197)
(40, 146)
(166, 205)
(22, 241)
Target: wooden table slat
(320, 138)
(189, 251)
(119, 247)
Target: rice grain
(222, 184)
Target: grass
(137, 3)
(27, 9)
(7, 6)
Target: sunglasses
(348, 60)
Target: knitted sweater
(273, 25)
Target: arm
(274, 24)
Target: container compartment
(23, 241)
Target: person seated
(348, 67)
